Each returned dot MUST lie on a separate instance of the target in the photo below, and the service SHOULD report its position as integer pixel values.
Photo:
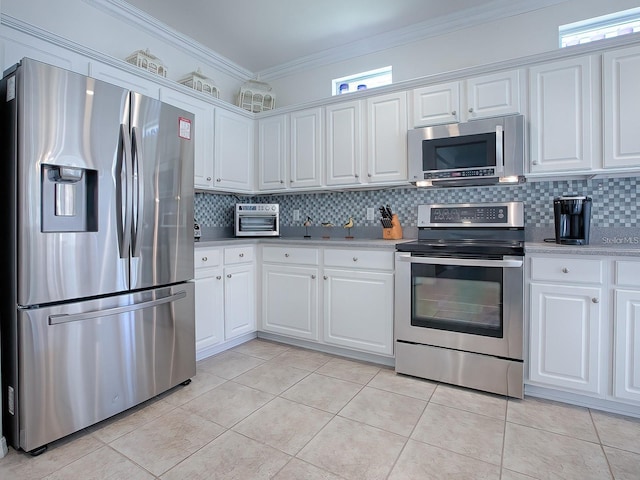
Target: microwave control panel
(476, 172)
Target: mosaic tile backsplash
(615, 203)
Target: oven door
(253, 225)
(469, 304)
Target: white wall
(518, 36)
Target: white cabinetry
(566, 323)
(306, 148)
(358, 299)
(290, 285)
(272, 153)
(344, 143)
(485, 96)
(239, 291)
(202, 133)
(626, 358)
(564, 110)
(234, 151)
(209, 299)
(621, 106)
(124, 79)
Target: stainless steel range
(459, 292)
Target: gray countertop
(306, 242)
(603, 250)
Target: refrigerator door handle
(138, 194)
(123, 190)
(74, 317)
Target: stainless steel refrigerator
(96, 310)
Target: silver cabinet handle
(595, 300)
(204, 259)
(228, 275)
(369, 175)
(355, 259)
(535, 162)
(208, 179)
(241, 255)
(218, 277)
(357, 176)
(218, 180)
(471, 110)
(286, 255)
(565, 270)
(454, 113)
(325, 277)
(281, 181)
(313, 277)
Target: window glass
(362, 81)
(598, 28)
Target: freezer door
(162, 195)
(83, 362)
(71, 187)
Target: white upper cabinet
(124, 79)
(621, 106)
(344, 143)
(478, 97)
(202, 133)
(234, 151)
(306, 148)
(272, 153)
(387, 138)
(564, 110)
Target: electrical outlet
(370, 213)
(296, 215)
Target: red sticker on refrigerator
(184, 130)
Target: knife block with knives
(391, 228)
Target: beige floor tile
(299, 470)
(471, 400)
(228, 403)
(422, 461)
(231, 456)
(166, 441)
(624, 465)
(388, 411)
(229, 364)
(547, 455)
(463, 432)
(618, 431)
(271, 378)
(303, 359)
(349, 370)
(326, 393)
(412, 387)
(284, 425)
(201, 383)
(263, 349)
(104, 463)
(553, 417)
(510, 475)
(129, 420)
(353, 450)
(22, 466)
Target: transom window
(598, 28)
(362, 81)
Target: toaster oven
(257, 220)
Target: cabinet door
(387, 138)
(201, 133)
(565, 336)
(564, 107)
(492, 95)
(233, 157)
(621, 107)
(209, 306)
(344, 143)
(626, 360)
(436, 104)
(239, 300)
(290, 300)
(306, 148)
(272, 153)
(123, 79)
(358, 310)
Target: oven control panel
(508, 214)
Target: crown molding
(141, 20)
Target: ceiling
(263, 36)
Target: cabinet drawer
(573, 270)
(206, 257)
(372, 259)
(299, 255)
(243, 254)
(627, 273)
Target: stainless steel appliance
(572, 217)
(479, 152)
(459, 297)
(257, 220)
(97, 313)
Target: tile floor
(265, 410)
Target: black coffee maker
(572, 219)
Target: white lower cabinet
(209, 303)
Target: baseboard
(221, 347)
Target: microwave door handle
(466, 262)
(500, 147)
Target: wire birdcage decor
(145, 60)
(199, 82)
(256, 97)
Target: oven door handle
(507, 262)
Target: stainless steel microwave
(479, 152)
(257, 220)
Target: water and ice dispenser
(69, 199)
